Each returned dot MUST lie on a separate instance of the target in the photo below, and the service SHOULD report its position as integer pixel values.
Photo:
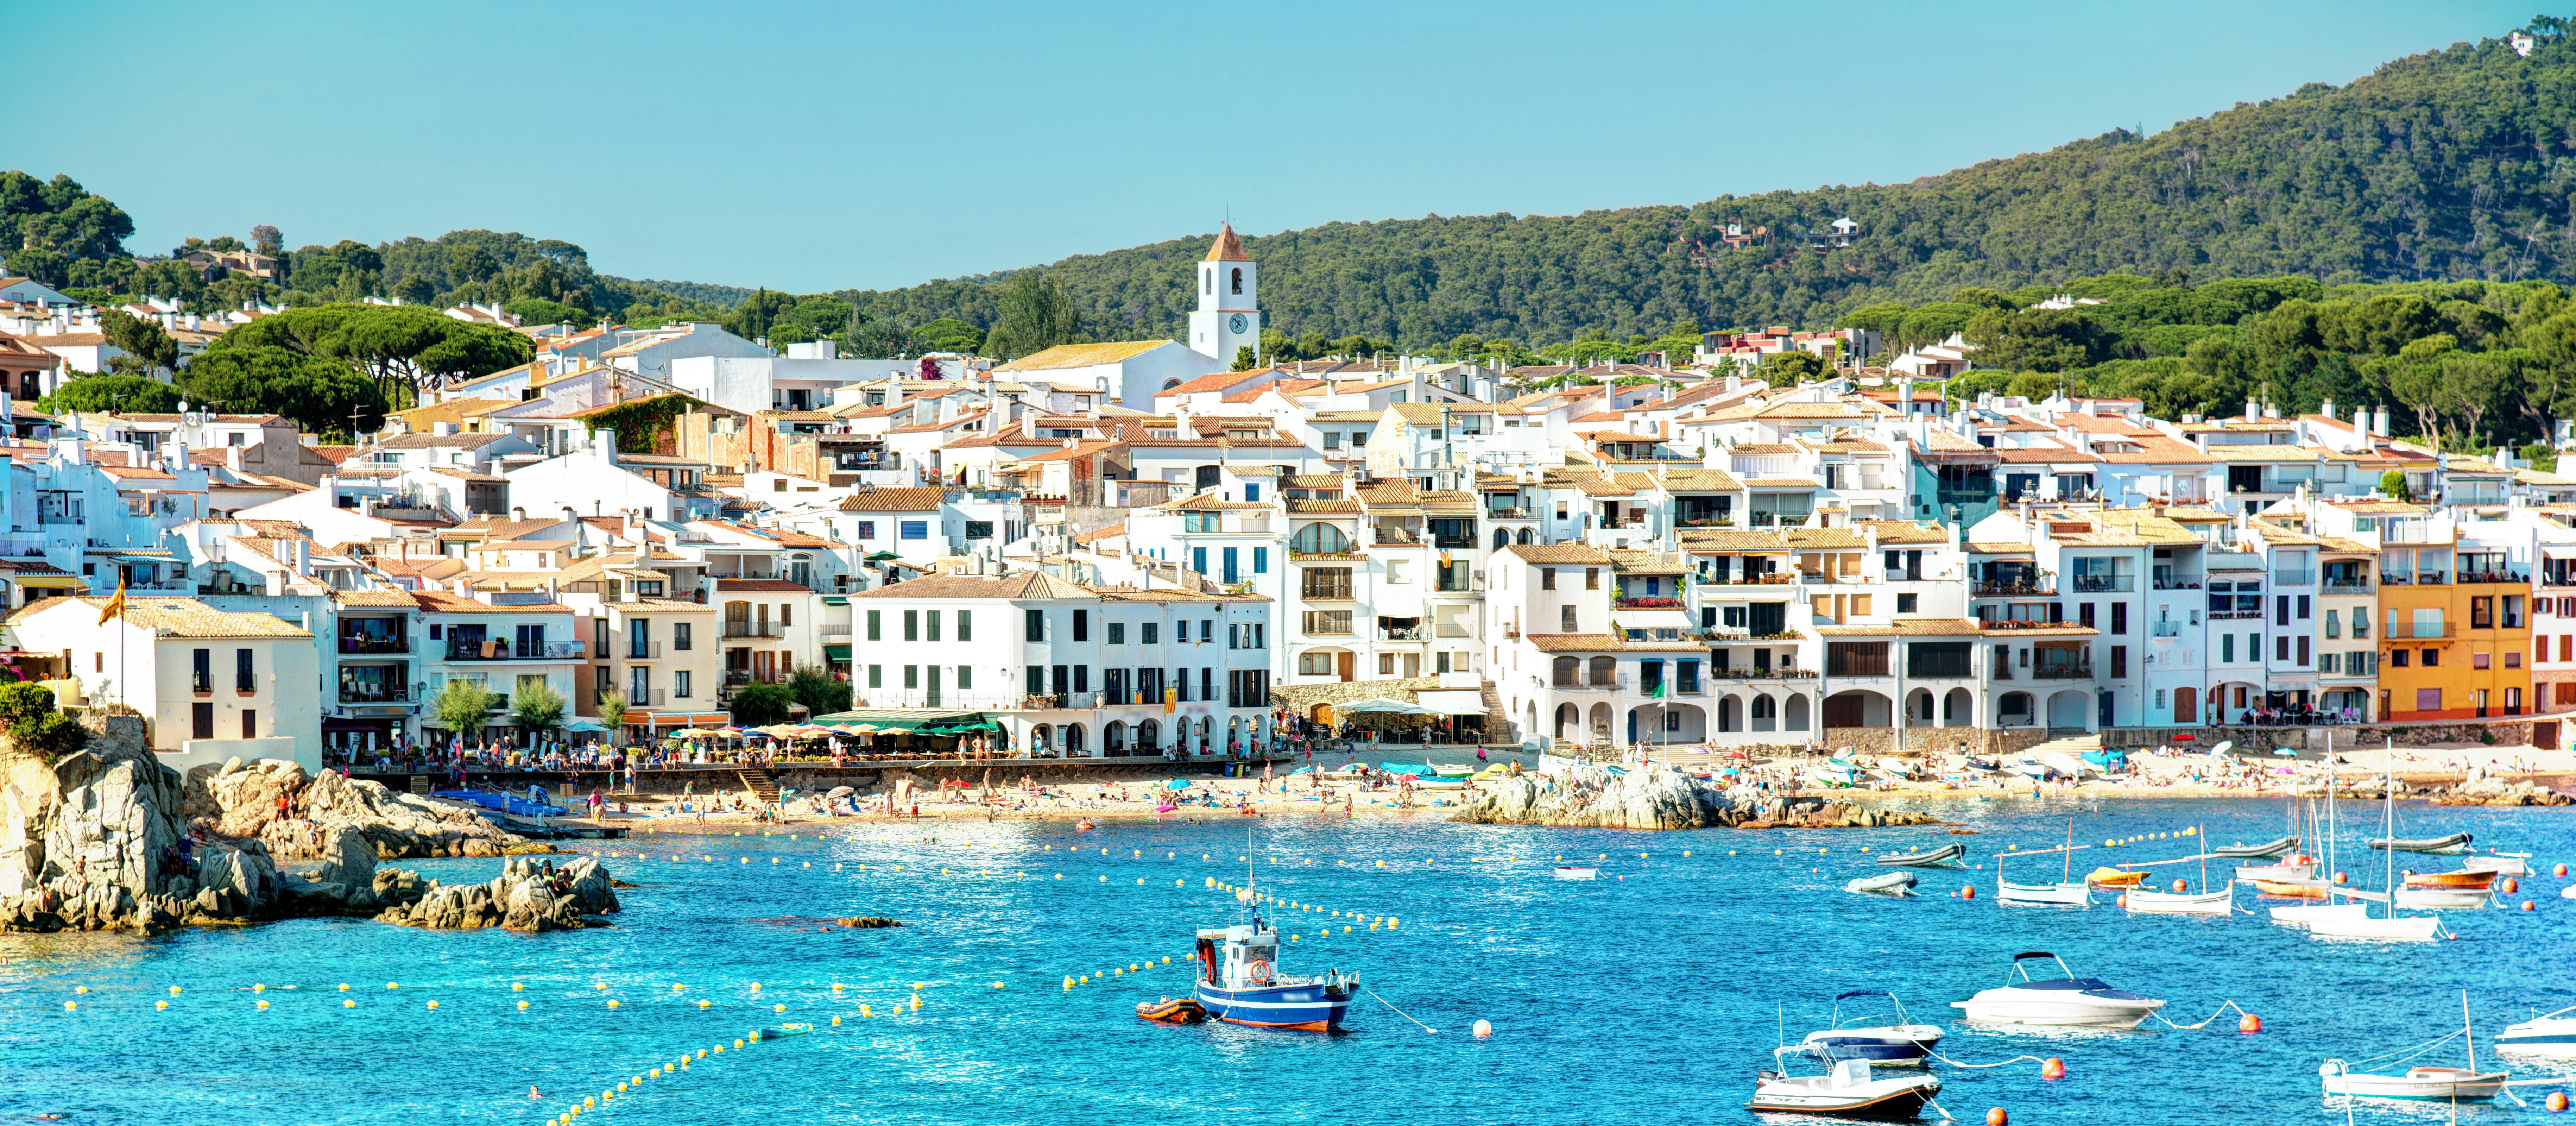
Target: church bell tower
(1229, 314)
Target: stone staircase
(2074, 745)
(758, 782)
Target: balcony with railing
(2164, 629)
(2513, 577)
(1579, 683)
(2416, 631)
(364, 693)
(1647, 602)
(369, 645)
(2177, 582)
(1762, 674)
(1400, 633)
(2025, 588)
(642, 650)
(747, 628)
(1507, 514)
(2303, 576)
(503, 649)
(1731, 578)
(2360, 585)
(2101, 584)
(1060, 701)
(2070, 670)
(647, 697)
(1394, 537)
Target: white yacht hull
(2012, 1006)
(2306, 914)
(2404, 928)
(2443, 899)
(2551, 1037)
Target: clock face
(1237, 322)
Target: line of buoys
(2249, 1023)
(2052, 1068)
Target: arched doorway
(1795, 717)
(1113, 738)
(1502, 537)
(1599, 722)
(1765, 713)
(1918, 708)
(1730, 714)
(1042, 740)
(1522, 537)
(1149, 736)
(2013, 709)
(1958, 708)
(1667, 723)
(1859, 707)
(2067, 710)
(1073, 741)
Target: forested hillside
(2456, 164)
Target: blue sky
(820, 146)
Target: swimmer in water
(532, 1092)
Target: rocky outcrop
(1661, 799)
(101, 840)
(240, 799)
(2497, 791)
(528, 895)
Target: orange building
(2457, 627)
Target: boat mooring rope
(1946, 1116)
(1997, 1063)
(2222, 1009)
(1398, 1012)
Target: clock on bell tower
(1229, 314)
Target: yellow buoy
(262, 1004)
(174, 991)
(612, 1003)
(255, 988)
(517, 986)
(388, 985)
(706, 1004)
(76, 1004)
(160, 1004)
(836, 1022)
(348, 1004)
(523, 1004)
(837, 987)
(778, 1008)
(434, 1004)
(866, 1011)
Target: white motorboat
(1901, 1044)
(1885, 883)
(2081, 1001)
(1847, 1091)
(2438, 1084)
(2450, 843)
(2553, 1035)
(2262, 851)
(2146, 902)
(1570, 872)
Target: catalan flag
(115, 607)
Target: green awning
(882, 556)
(836, 652)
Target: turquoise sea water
(1647, 999)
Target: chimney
(443, 429)
(603, 445)
(2253, 410)
(2361, 423)
(178, 451)
(2379, 422)
(2326, 408)
(304, 557)
(518, 513)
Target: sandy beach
(1082, 795)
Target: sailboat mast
(2388, 791)
(2469, 1031)
(2069, 877)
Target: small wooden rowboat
(1172, 1010)
(2114, 878)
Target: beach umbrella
(1177, 784)
(584, 725)
(839, 792)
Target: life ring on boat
(1259, 972)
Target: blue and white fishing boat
(1902, 1043)
(1240, 983)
